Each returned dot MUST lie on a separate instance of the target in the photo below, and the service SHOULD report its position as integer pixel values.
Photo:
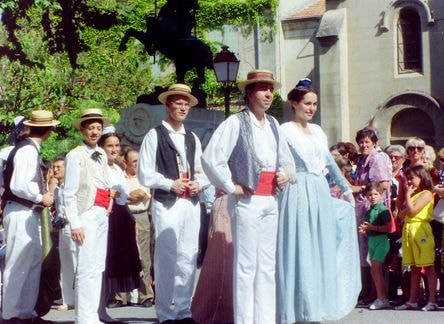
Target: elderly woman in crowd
(397, 155)
(415, 156)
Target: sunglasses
(417, 148)
(395, 157)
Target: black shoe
(169, 322)
(147, 303)
(115, 304)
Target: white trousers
(91, 257)
(175, 254)
(23, 261)
(254, 230)
(68, 264)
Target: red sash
(267, 184)
(186, 193)
(102, 198)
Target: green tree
(62, 56)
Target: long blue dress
(318, 273)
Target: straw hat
(178, 89)
(90, 113)
(41, 118)
(256, 76)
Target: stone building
(374, 62)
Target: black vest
(166, 163)
(9, 169)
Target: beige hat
(178, 89)
(90, 113)
(41, 118)
(256, 76)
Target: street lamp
(226, 66)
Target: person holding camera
(67, 247)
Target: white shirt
(218, 151)
(73, 172)
(146, 166)
(25, 179)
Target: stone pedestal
(137, 120)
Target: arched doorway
(410, 114)
(411, 122)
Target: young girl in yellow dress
(418, 245)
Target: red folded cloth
(267, 184)
(102, 198)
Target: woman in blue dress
(318, 272)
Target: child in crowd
(376, 226)
(418, 245)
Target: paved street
(358, 316)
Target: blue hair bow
(303, 84)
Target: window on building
(409, 41)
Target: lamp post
(226, 66)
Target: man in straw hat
(87, 204)
(248, 158)
(24, 198)
(169, 163)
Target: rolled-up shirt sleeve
(25, 180)
(71, 186)
(218, 151)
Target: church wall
(372, 67)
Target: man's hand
(78, 235)
(52, 184)
(179, 186)
(193, 188)
(48, 199)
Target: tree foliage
(61, 55)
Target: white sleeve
(146, 166)
(24, 180)
(217, 153)
(71, 186)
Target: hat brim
(164, 96)
(79, 121)
(242, 85)
(49, 124)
